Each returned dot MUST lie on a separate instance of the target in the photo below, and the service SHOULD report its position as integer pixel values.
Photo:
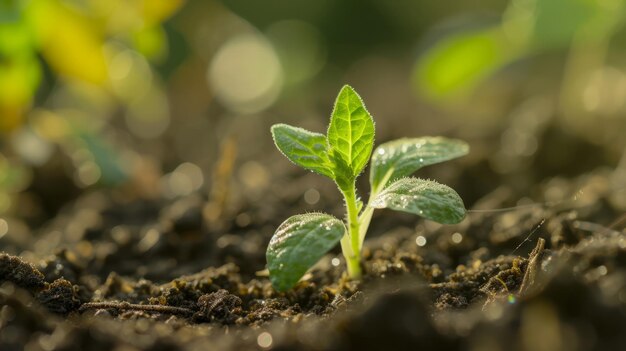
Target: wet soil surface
(110, 273)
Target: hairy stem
(366, 215)
(364, 221)
(353, 256)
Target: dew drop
(420, 240)
(457, 238)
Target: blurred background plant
(67, 69)
(147, 95)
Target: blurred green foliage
(72, 52)
(460, 60)
(71, 37)
(103, 90)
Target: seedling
(341, 155)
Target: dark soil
(109, 273)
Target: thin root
(136, 307)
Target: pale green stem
(353, 258)
(364, 222)
(357, 227)
(366, 216)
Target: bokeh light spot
(312, 196)
(265, 340)
(457, 238)
(420, 240)
(184, 180)
(246, 74)
(148, 116)
(130, 73)
(4, 227)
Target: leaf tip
(276, 127)
(465, 148)
(348, 88)
(274, 130)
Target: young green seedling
(341, 155)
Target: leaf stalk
(353, 256)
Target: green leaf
(426, 198)
(306, 149)
(342, 171)
(299, 242)
(351, 131)
(402, 157)
(454, 65)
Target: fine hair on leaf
(341, 155)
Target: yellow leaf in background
(155, 11)
(20, 72)
(19, 79)
(70, 42)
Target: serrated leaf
(426, 198)
(306, 149)
(299, 242)
(351, 130)
(402, 157)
